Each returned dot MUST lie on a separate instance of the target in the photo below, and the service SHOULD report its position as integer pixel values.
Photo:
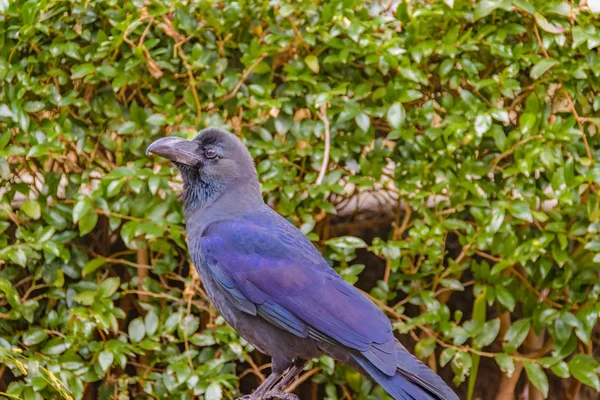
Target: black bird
(270, 282)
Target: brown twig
(167, 27)
(513, 149)
(301, 379)
(254, 368)
(243, 78)
(578, 119)
(325, 163)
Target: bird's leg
(292, 373)
(263, 388)
(266, 392)
(266, 385)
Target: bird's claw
(272, 395)
(279, 395)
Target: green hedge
(473, 123)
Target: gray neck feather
(218, 199)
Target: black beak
(177, 150)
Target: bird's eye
(210, 153)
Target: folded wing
(272, 270)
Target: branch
(303, 378)
(243, 78)
(323, 117)
(571, 105)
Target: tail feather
(397, 386)
(413, 380)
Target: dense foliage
(464, 132)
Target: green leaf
(214, 392)
(28, 11)
(593, 245)
(32, 209)
(127, 127)
(5, 111)
(524, 5)
(585, 369)
(425, 347)
(486, 7)
(488, 334)
(34, 337)
(541, 67)
(33, 106)
(151, 322)
(137, 330)
(363, 121)
(562, 329)
(55, 347)
(108, 287)
(81, 208)
(500, 114)
(446, 355)
(453, 284)
(18, 256)
(497, 220)
(561, 369)
(313, 63)
(527, 122)
(483, 123)
(346, 242)
(87, 223)
(461, 366)
(86, 298)
(505, 298)
(547, 26)
(516, 334)
(506, 363)
(91, 266)
(396, 115)
(156, 120)
(105, 359)
(520, 209)
(537, 376)
(189, 325)
(114, 187)
(499, 138)
(82, 70)
(46, 234)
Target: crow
(272, 285)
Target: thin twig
(188, 313)
(579, 124)
(254, 367)
(578, 119)
(407, 213)
(323, 117)
(513, 149)
(243, 78)
(166, 296)
(167, 27)
(301, 379)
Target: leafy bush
(471, 126)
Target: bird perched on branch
(272, 285)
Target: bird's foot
(272, 395)
(279, 395)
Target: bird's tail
(413, 379)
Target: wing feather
(273, 267)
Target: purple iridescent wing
(272, 270)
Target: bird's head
(211, 164)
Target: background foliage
(459, 139)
